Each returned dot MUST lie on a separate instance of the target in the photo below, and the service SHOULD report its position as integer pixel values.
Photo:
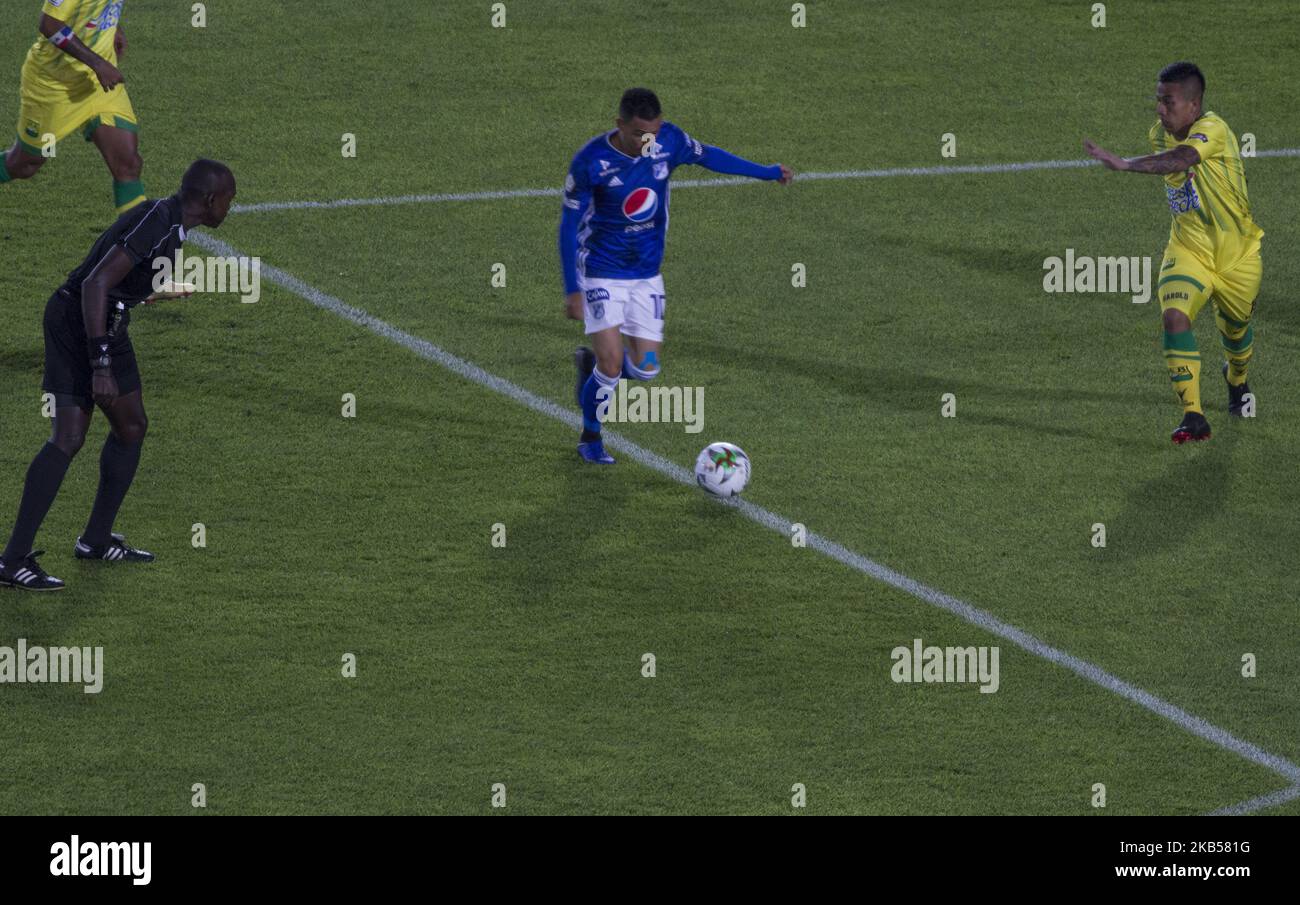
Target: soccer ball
(722, 469)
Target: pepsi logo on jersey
(640, 205)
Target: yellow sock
(1184, 364)
(1238, 345)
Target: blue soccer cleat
(595, 452)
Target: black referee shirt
(148, 232)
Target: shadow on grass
(904, 388)
(1164, 511)
(1005, 263)
(588, 502)
(901, 390)
(1060, 429)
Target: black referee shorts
(67, 358)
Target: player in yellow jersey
(1213, 251)
(70, 84)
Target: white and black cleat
(116, 550)
(26, 575)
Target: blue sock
(590, 402)
(648, 369)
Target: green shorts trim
(1177, 277)
(88, 130)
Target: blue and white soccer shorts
(636, 307)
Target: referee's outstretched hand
(103, 387)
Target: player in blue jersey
(612, 232)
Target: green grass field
(522, 665)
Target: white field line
(777, 523)
(690, 183)
(1271, 800)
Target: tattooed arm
(1179, 159)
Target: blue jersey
(622, 203)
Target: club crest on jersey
(109, 17)
(1183, 198)
(640, 205)
(661, 171)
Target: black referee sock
(44, 477)
(117, 465)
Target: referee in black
(89, 361)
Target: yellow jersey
(1209, 203)
(93, 21)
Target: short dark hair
(639, 103)
(1183, 72)
(206, 177)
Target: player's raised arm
(61, 35)
(720, 161)
(714, 158)
(1177, 160)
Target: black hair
(1183, 72)
(639, 103)
(206, 177)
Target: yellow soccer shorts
(1186, 284)
(53, 108)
